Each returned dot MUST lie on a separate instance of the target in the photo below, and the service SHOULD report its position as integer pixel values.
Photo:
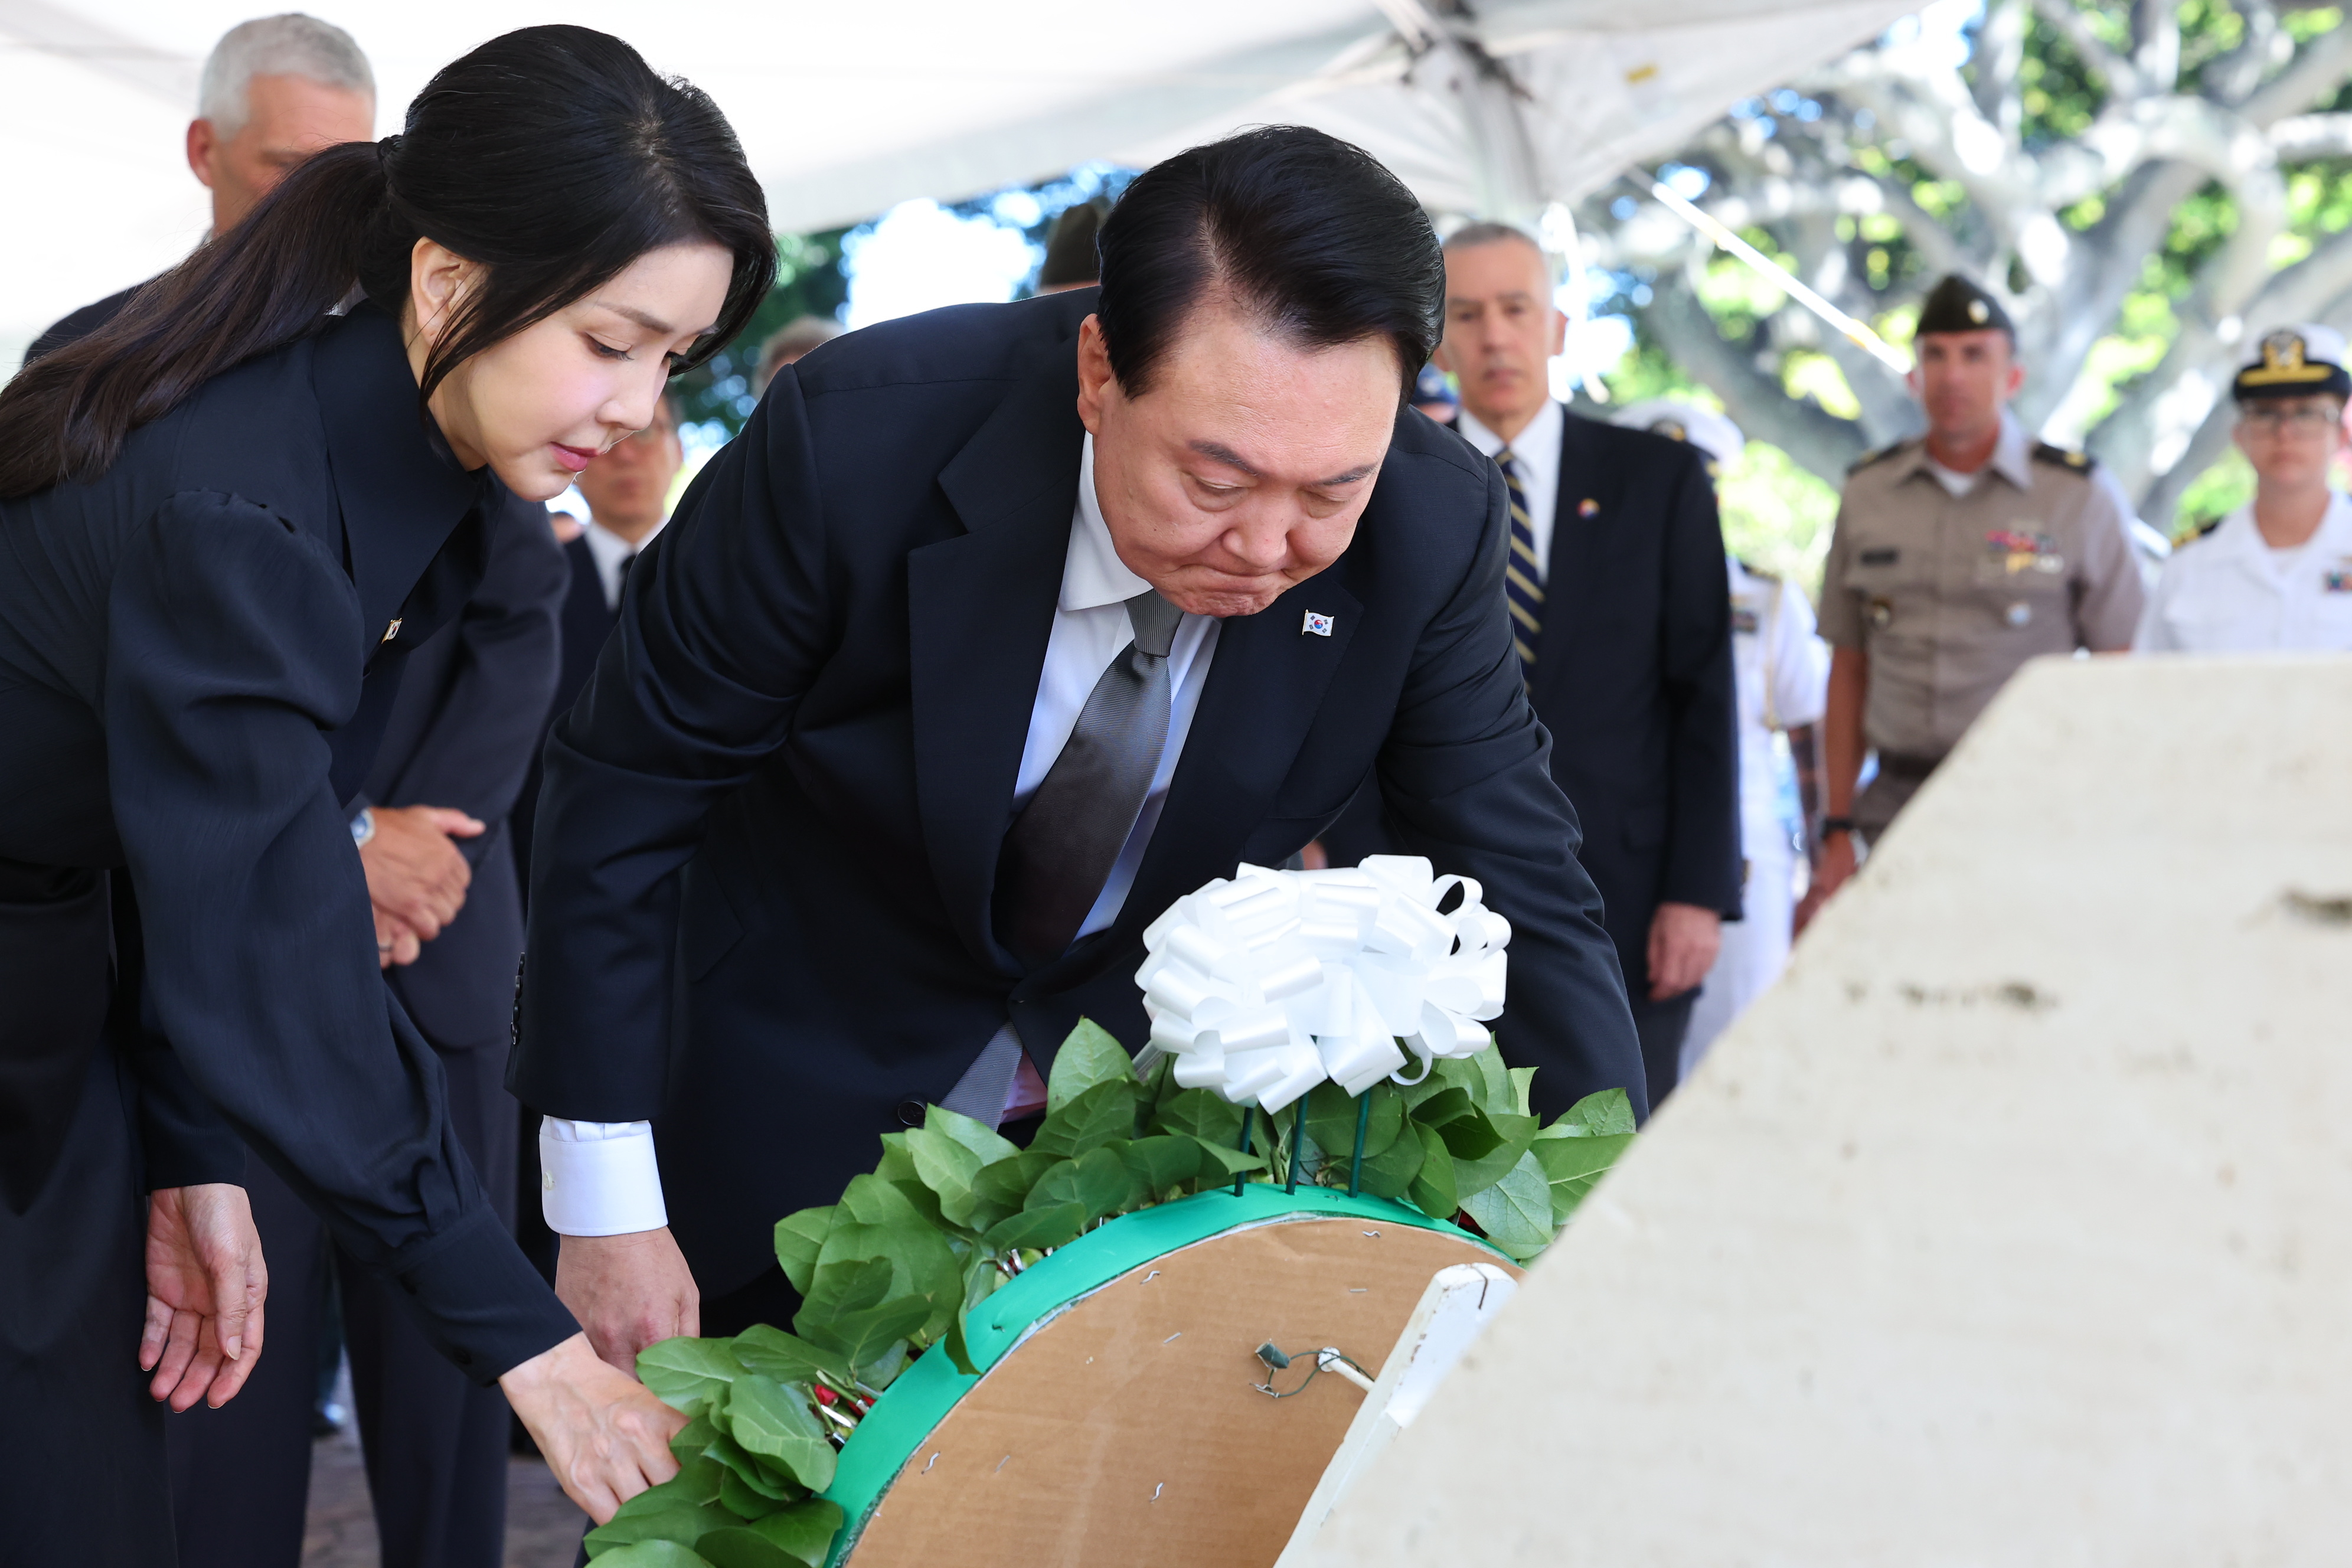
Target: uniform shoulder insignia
(2195, 531)
(2080, 462)
(1867, 458)
(1757, 572)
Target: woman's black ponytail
(552, 157)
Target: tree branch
(2306, 136)
(2156, 42)
(1816, 440)
(2315, 74)
(2122, 76)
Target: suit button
(911, 1111)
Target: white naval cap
(2294, 361)
(1710, 432)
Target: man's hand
(1684, 940)
(205, 1284)
(1832, 868)
(604, 1436)
(415, 877)
(628, 1291)
(394, 942)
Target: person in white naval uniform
(1782, 669)
(2274, 575)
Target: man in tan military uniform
(1957, 556)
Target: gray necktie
(1062, 846)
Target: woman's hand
(604, 1436)
(206, 1285)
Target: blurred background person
(2277, 573)
(788, 344)
(1432, 394)
(1622, 613)
(1957, 556)
(274, 90)
(1070, 260)
(1782, 672)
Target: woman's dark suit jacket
(195, 653)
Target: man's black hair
(1309, 235)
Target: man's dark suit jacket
(814, 708)
(585, 621)
(463, 733)
(1633, 678)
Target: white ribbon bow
(1263, 985)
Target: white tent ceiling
(848, 109)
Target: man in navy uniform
(998, 630)
(1621, 613)
(1957, 556)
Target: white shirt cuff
(599, 1178)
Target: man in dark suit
(1621, 617)
(998, 630)
(274, 90)
(627, 492)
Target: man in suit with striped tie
(1621, 615)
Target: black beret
(1956, 305)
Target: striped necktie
(1523, 577)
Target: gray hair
(797, 338)
(1472, 234)
(290, 45)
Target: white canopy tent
(848, 110)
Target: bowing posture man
(996, 632)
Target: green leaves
(1515, 1211)
(1197, 1114)
(1608, 1114)
(1092, 1118)
(799, 1238)
(774, 1423)
(1087, 1059)
(686, 1373)
(949, 1152)
(790, 1538)
(1573, 1163)
(1433, 1190)
(911, 1248)
(1057, 1224)
(651, 1554)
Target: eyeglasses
(2302, 418)
(651, 435)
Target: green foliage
(953, 1211)
(809, 282)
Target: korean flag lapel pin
(1317, 624)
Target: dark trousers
(435, 1442)
(1661, 1026)
(83, 1476)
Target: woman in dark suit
(224, 520)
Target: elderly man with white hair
(274, 90)
(1782, 669)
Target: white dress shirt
(600, 1178)
(610, 551)
(2230, 592)
(1534, 451)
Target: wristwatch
(363, 826)
(1836, 824)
